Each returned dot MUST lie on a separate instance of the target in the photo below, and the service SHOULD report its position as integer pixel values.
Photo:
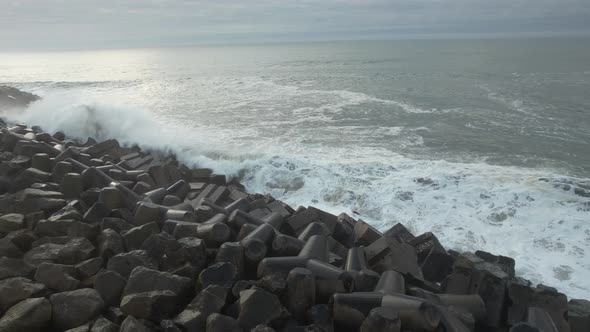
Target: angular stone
(301, 292)
(258, 307)
(117, 224)
(14, 290)
(505, 263)
(125, 263)
(76, 251)
(96, 213)
(12, 222)
(53, 227)
(43, 253)
(168, 325)
(135, 236)
(110, 243)
(28, 315)
(9, 249)
(23, 239)
(110, 285)
(381, 319)
(104, 325)
(154, 304)
(75, 308)
(146, 213)
(365, 234)
(14, 267)
(194, 251)
(89, 267)
(222, 323)
(131, 324)
(390, 253)
(57, 276)
(209, 300)
(143, 279)
(223, 274)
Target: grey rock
(75, 308)
(89, 267)
(12, 222)
(143, 279)
(135, 236)
(44, 253)
(76, 251)
(110, 285)
(258, 307)
(223, 274)
(117, 224)
(222, 323)
(154, 304)
(14, 267)
(57, 276)
(110, 243)
(209, 300)
(131, 324)
(9, 249)
(14, 290)
(28, 315)
(53, 228)
(104, 325)
(125, 263)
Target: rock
(168, 325)
(9, 249)
(117, 224)
(110, 285)
(28, 315)
(258, 307)
(96, 213)
(146, 213)
(14, 290)
(222, 274)
(53, 228)
(262, 328)
(154, 305)
(12, 222)
(14, 267)
(381, 319)
(143, 279)
(209, 300)
(125, 263)
(41, 162)
(221, 323)
(14, 98)
(57, 276)
(194, 251)
(111, 198)
(75, 308)
(321, 315)
(135, 236)
(44, 253)
(505, 263)
(365, 234)
(131, 324)
(89, 267)
(579, 315)
(391, 253)
(104, 325)
(75, 251)
(23, 239)
(110, 243)
(274, 283)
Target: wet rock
(365, 234)
(14, 290)
(12, 222)
(221, 323)
(154, 305)
(109, 285)
(223, 274)
(124, 263)
(75, 308)
(57, 276)
(28, 315)
(76, 251)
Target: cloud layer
(117, 23)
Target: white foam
(503, 210)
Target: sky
(56, 24)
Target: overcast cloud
(120, 23)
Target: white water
(504, 210)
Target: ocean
(486, 143)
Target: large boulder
(57, 276)
(258, 307)
(110, 285)
(75, 308)
(28, 315)
(154, 305)
(14, 267)
(125, 263)
(143, 279)
(11, 98)
(12, 222)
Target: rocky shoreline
(99, 237)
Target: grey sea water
(484, 142)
